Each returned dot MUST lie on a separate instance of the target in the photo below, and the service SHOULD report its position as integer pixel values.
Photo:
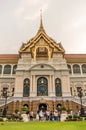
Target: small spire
(41, 23)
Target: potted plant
(64, 109)
(24, 109)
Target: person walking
(55, 115)
(31, 115)
(51, 116)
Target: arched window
(58, 89)
(76, 69)
(69, 67)
(42, 87)
(14, 69)
(26, 87)
(0, 69)
(84, 68)
(7, 69)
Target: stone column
(53, 85)
(72, 69)
(31, 86)
(81, 69)
(66, 86)
(11, 69)
(49, 86)
(34, 85)
(18, 87)
(2, 70)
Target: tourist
(59, 115)
(51, 116)
(47, 115)
(55, 115)
(31, 115)
(41, 115)
(37, 116)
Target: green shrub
(16, 116)
(75, 116)
(70, 116)
(20, 118)
(9, 117)
(64, 108)
(16, 111)
(24, 108)
(85, 118)
(1, 119)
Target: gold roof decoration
(41, 28)
(40, 36)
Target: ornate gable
(41, 45)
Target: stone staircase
(74, 99)
(77, 100)
(2, 101)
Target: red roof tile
(9, 56)
(75, 56)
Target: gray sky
(63, 20)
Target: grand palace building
(42, 75)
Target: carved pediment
(42, 67)
(42, 42)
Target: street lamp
(68, 109)
(5, 95)
(80, 94)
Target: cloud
(30, 10)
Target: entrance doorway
(42, 106)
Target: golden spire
(41, 23)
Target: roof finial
(41, 28)
(41, 24)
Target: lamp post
(68, 109)
(5, 95)
(80, 94)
